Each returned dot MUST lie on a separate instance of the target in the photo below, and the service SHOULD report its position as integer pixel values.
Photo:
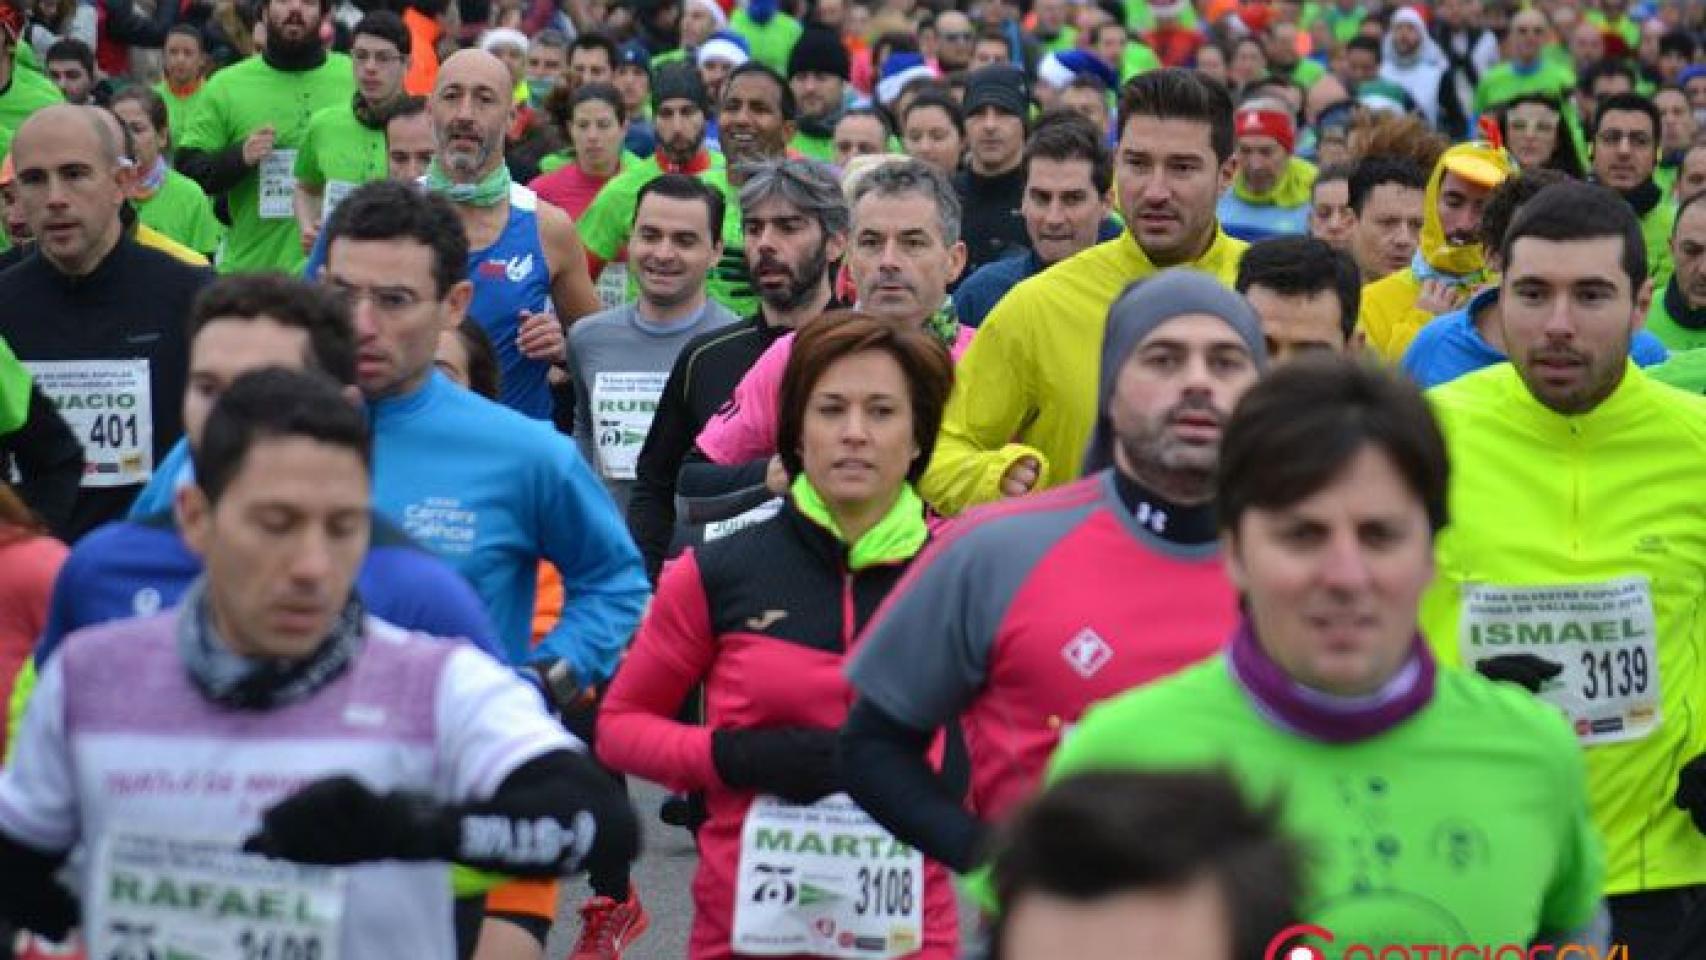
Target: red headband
(1268, 123)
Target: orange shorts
(529, 898)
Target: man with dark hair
(592, 59)
(1677, 129)
(515, 494)
(1305, 293)
(993, 46)
(1678, 314)
(241, 142)
(111, 358)
(1604, 80)
(1677, 50)
(1081, 864)
(862, 131)
(1127, 558)
(1625, 153)
(992, 184)
(345, 143)
(1569, 495)
(526, 262)
(1691, 172)
(409, 146)
(818, 72)
(183, 72)
(1362, 61)
(620, 358)
(1067, 176)
(274, 649)
(1469, 339)
(71, 66)
(22, 92)
(547, 65)
(1019, 418)
(1387, 197)
(1087, 96)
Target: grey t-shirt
(620, 362)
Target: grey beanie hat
(1147, 304)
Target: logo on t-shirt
(1087, 652)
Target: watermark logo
(1299, 942)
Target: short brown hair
(842, 333)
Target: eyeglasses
(1635, 138)
(1533, 126)
(388, 300)
(380, 57)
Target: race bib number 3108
(1602, 636)
(190, 899)
(826, 880)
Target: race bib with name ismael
(824, 879)
(109, 406)
(622, 408)
(181, 898)
(278, 185)
(1603, 636)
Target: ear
(956, 260)
(835, 247)
(1643, 301)
(194, 514)
(456, 300)
(1228, 170)
(1234, 564)
(125, 176)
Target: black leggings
(612, 882)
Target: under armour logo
(1087, 653)
(765, 620)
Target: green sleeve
(605, 224)
(206, 128)
(14, 391)
(1685, 370)
(1573, 897)
(309, 172)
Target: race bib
(1603, 635)
(826, 880)
(278, 185)
(622, 409)
(613, 285)
(336, 191)
(178, 898)
(718, 529)
(109, 406)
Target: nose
(1153, 188)
(364, 317)
(311, 560)
(856, 428)
(1344, 566)
(1559, 325)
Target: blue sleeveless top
(510, 276)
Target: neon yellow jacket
(1027, 386)
(1543, 499)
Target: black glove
(339, 821)
(1691, 790)
(30, 897)
(1523, 668)
(794, 763)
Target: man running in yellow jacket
(1449, 266)
(1024, 396)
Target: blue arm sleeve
(1647, 350)
(157, 496)
(62, 617)
(604, 581)
(421, 592)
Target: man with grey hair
(905, 249)
(547, 64)
(1040, 609)
(113, 362)
(794, 222)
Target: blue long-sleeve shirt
(494, 492)
(135, 568)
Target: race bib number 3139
(826, 880)
(191, 899)
(1602, 636)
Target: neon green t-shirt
(1504, 82)
(240, 100)
(180, 210)
(1661, 324)
(1580, 539)
(1465, 824)
(29, 92)
(179, 109)
(817, 148)
(339, 153)
(1138, 58)
(771, 42)
(14, 390)
(1685, 370)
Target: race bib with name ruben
(278, 185)
(182, 898)
(1603, 636)
(622, 409)
(109, 406)
(825, 880)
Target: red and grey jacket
(765, 619)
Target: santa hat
(899, 70)
(727, 47)
(718, 14)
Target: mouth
(298, 618)
(1196, 427)
(660, 272)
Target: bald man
(1525, 70)
(525, 257)
(104, 332)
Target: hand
(541, 337)
(1691, 791)
(1021, 477)
(1438, 297)
(794, 763)
(1526, 669)
(258, 145)
(310, 235)
(776, 476)
(339, 821)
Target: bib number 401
(885, 892)
(1614, 672)
(113, 431)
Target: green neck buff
(1290, 190)
(898, 536)
(489, 191)
(944, 324)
